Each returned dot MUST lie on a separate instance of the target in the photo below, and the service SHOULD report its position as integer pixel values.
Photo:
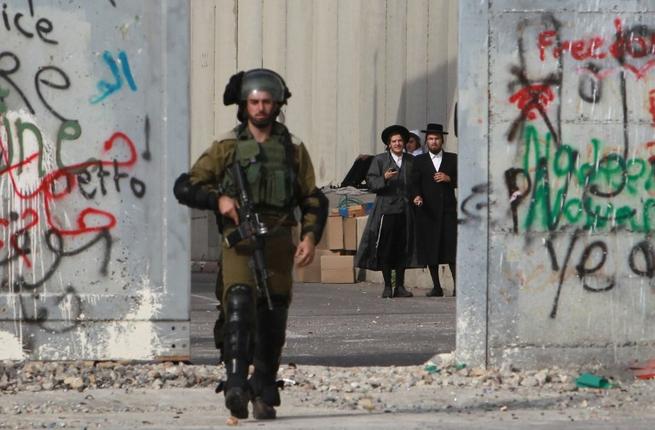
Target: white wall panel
(372, 89)
(416, 86)
(353, 68)
(324, 89)
(202, 75)
(348, 78)
(300, 37)
(395, 62)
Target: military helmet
(264, 80)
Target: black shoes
(400, 291)
(262, 411)
(236, 400)
(435, 292)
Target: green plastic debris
(460, 366)
(430, 367)
(589, 380)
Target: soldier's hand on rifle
(227, 206)
(305, 251)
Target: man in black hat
(434, 180)
(387, 243)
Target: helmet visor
(262, 80)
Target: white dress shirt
(398, 159)
(436, 160)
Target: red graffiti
(625, 45)
(651, 105)
(59, 184)
(650, 145)
(532, 98)
(29, 218)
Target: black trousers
(392, 241)
(392, 244)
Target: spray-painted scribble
(78, 204)
(579, 182)
(108, 88)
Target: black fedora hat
(434, 128)
(394, 129)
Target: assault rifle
(250, 227)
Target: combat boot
(238, 348)
(262, 411)
(386, 293)
(400, 291)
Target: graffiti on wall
(583, 171)
(62, 181)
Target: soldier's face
(396, 144)
(261, 108)
(434, 142)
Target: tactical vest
(268, 172)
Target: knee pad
(238, 343)
(271, 335)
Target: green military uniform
(280, 178)
(211, 172)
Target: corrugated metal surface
(93, 248)
(353, 67)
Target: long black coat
(387, 193)
(437, 217)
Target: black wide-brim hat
(394, 129)
(434, 128)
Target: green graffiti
(3, 106)
(605, 192)
(69, 131)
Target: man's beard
(433, 151)
(262, 123)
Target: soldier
(280, 176)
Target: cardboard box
(337, 269)
(350, 234)
(311, 272)
(334, 232)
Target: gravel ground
(439, 386)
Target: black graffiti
(5, 72)
(522, 80)
(40, 79)
(562, 269)
(41, 316)
(590, 87)
(42, 27)
(55, 243)
(516, 194)
(146, 154)
(648, 253)
(472, 213)
(88, 190)
(592, 261)
(583, 271)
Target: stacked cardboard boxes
(335, 254)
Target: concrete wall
(93, 123)
(353, 67)
(557, 122)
